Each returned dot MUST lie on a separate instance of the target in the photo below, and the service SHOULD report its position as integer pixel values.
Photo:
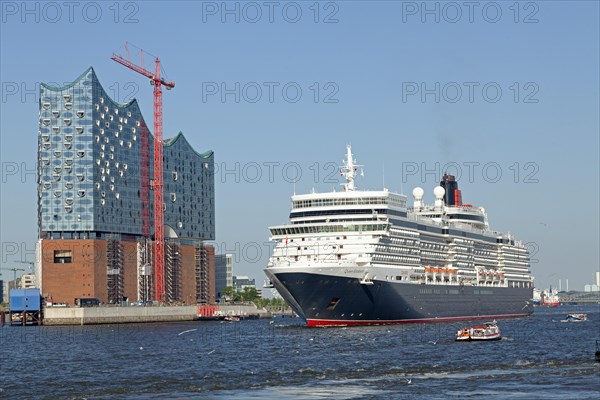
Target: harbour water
(538, 358)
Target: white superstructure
(375, 235)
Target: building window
(63, 256)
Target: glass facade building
(189, 191)
(95, 166)
(223, 272)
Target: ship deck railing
(458, 225)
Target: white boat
(575, 318)
(489, 331)
(367, 257)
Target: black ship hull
(326, 300)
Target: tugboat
(489, 331)
(550, 298)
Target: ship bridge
(347, 206)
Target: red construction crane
(159, 220)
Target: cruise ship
(362, 257)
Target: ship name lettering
(353, 271)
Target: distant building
(14, 284)
(7, 286)
(27, 281)
(95, 202)
(241, 282)
(223, 272)
(205, 275)
(593, 287)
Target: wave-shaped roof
(166, 142)
(81, 78)
(173, 140)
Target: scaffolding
(145, 179)
(114, 270)
(173, 272)
(202, 274)
(144, 272)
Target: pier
(25, 307)
(122, 315)
(579, 297)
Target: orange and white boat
(489, 331)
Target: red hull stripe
(341, 322)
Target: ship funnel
(453, 196)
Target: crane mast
(158, 183)
(14, 270)
(159, 233)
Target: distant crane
(159, 220)
(31, 264)
(14, 270)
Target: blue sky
(508, 94)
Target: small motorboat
(232, 318)
(598, 350)
(489, 331)
(575, 318)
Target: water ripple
(285, 360)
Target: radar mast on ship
(348, 170)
